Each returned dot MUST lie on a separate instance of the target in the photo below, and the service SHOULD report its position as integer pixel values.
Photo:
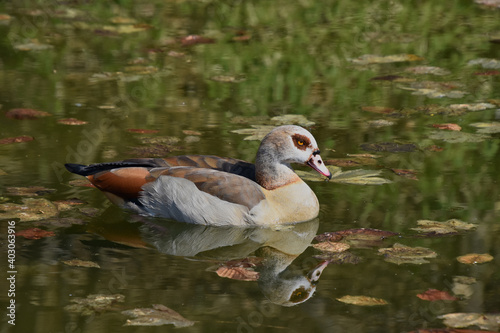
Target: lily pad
(458, 137)
(94, 303)
(355, 177)
(450, 127)
(378, 109)
(29, 191)
(380, 123)
(365, 233)
(339, 258)
(485, 63)
(462, 286)
(228, 78)
(33, 46)
(72, 122)
(402, 254)
(156, 316)
(472, 106)
(475, 258)
(81, 263)
(292, 119)
(482, 320)
(433, 89)
(362, 300)
(351, 161)
(30, 210)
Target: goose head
(281, 147)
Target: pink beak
(317, 164)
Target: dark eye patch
(300, 141)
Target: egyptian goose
(214, 190)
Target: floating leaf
(30, 191)
(191, 132)
(380, 123)
(389, 147)
(457, 137)
(30, 210)
(462, 286)
(487, 128)
(475, 258)
(410, 174)
(292, 119)
(81, 263)
(195, 39)
(427, 70)
(351, 161)
(448, 227)
(237, 273)
(72, 122)
(35, 233)
(488, 73)
(433, 89)
(362, 300)
(436, 295)
(156, 316)
(483, 321)
(331, 246)
(374, 59)
(64, 205)
(26, 114)
(472, 106)
(17, 139)
(402, 254)
(485, 63)
(450, 127)
(33, 46)
(257, 132)
(5, 19)
(94, 303)
(228, 78)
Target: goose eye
(300, 142)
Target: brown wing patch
(300, 141)
(226, 186)
(123, 182)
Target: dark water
(128, 65)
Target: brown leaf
(434, 148)
(488, 73)
(26, 114)
(362, 300)
(451, 127)
(190, 132)
(80, 182)
(475, 258)
(72, 121)
(156, 316)
(237, 273)
(410, 174)
(482, 320)
(63, 205)
(450, 330)
(436, 295)
(16, 139)
(34, 233)
(248, 262)
(331, 246)
(94, 303)
(81, 263)
(142, 131)
(195, 39)
(339, 258)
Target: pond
(408, 91)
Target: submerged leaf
(485, 62)
(462, 286)
(475, 258)
(94, 303)
(362, 300)
(29, 191)
(436, 295)
(457, 137)
(156, 316)
(35, 233)
(472, 106)
(389, 147)
(427, 70)
(26, 114)
(378, 109)
(487, 128)
(72, 122)
(30, 210)
(410, 174)
(365, 233)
